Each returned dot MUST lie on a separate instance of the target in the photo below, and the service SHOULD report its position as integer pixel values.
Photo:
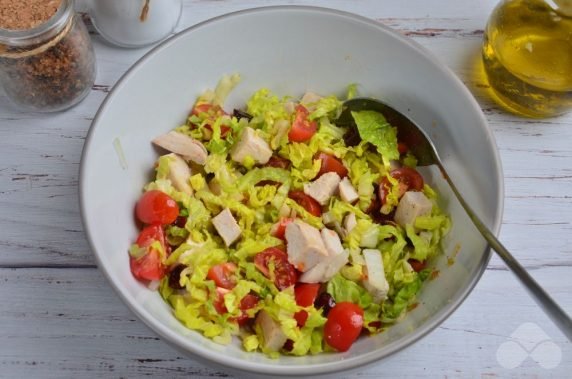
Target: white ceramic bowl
(289, 50)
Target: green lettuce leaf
(225, 85)
(266, 108)
(252, 177)
(343, 289)
(326, 106)
(392, 310)
(375, 129)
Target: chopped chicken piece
(329, 265)
(350, 222)
(323, 188)
(179, 173)
(289, 107)
(251, 145)
(412, 205)
(328, 218)
(305, 246)
(187, 147)
(375, 281)
(347, 191)
(272, 334)
(332, 242)
(309, 100)
(226, 226)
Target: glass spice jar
(49, 67)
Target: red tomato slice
(305, 294)
(302, 129)
(331, 164)
(248, 302)
(301, 317)
(306, 202)
(285, 275)
(212, 113)
(201, 108)
(280, 228)
(344, 325)
(150, 234)
(417, 265)
(156, 207)
(408, 178)
(222, 275)
(402, 148)
(149, 266)
(218, 303)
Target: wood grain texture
(63, 320)
(68, 322)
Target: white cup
(134, 23)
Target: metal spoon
(421, 146)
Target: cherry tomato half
(344, 325)
(331, 164)
(248, 302)
(218, 302)
(408, 178)
(309, 204)
(156, 207)
(149, 266)
(280, 228)
(302, 129)
(305, 294)
(222, 275)
(211, 112)
(285, 275)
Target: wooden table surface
(60, 318)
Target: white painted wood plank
(69, 323)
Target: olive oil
(527, 56)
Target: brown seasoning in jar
(26, 14)
(51, 73)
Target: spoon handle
(550, 307)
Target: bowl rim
(176, 340)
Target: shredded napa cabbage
(258, 198)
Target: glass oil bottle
(527, 56)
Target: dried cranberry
(181, 221)
(352, 137)
(288, 345)
(278, 162)
(326, 302)
(175, 277)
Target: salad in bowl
(275, 225)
